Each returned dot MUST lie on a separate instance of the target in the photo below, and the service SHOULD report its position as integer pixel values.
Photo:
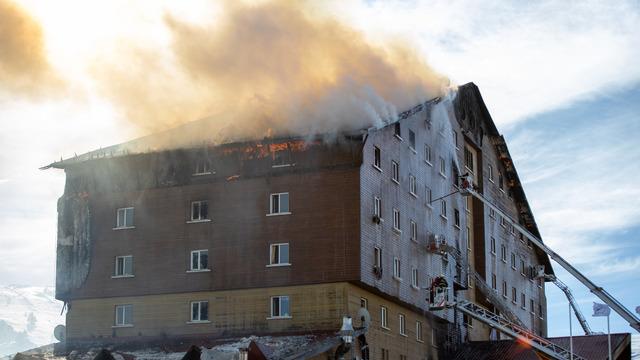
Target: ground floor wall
(313, 308)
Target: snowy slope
(27, 317)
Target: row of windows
(199, 311)
(514, 296)
(402, 330)
(397, 268)
(278, 205)
(278, 256)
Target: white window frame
(514, 295)
(199, 253)
(200, 217)
(279, 196)
(428, 155)
(492, 213)
(412, 140)
(377, 257)
(402, 329)
(490, 172)
(280, 261)
(377, 206)
(396, 220)
(199, 319)
(415, 282)
(503, 253)
(523, 301)
(120, 313)
(413, 226)
(124, 274)
(456, 218)
(377, 158)
(413, 186)
(125, 210)
(443, 209)
(395, 172)
(419, 331)
(503, 222)
(505, 289)
(205, 169)
(513, 261)
(494, 282)
(493, 246)
(384, 317)
(397, 269)
(443, 167)
(469, 155)
(279, 299)
(455, 139)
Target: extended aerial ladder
(466, 189)
(572, 302)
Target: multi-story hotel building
(288, 235)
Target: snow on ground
(28, 316)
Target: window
(412, 140)
(503, 253)
(395, 171)
(504, 289)
(503, 222)
(199, 311)
(492, 213)
(396, 269)
(493, 245)
(376, 158)
(124, 315)
(494, 282)
(427, 154)
(199, 210)
(396, 219)
(279, 254)
(414, 278)
(500, 181)
(377, 207)
(521, 237)
(412, 186)
(281, 158)
(467, 320)
(523, 270)
(403, 330)
(490, 172)
(532, 306)
(364, 303)
(384, 320)
(443, 167)
(124, 266)
(443, 208)
(428, 195)
(385, 354)
(200, 260)
(540, 313)
(419, 331)
(280, 307)
(377, 257)
(523, 301)
(514, 295)
(396, 130)
(513, 261)
(455, 139)
(202, 167)
(414, 230)
(280, 203)
(468, 159)
(456, 218)
(124, 218)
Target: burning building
(287, 235)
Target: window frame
(377, 206)
(456, 218)
(377, 158)
(505, 289)
(428, 194)
(413, 186)
(123, 323)
(124, 274)
(384, 317)
(415, 281)
(125, 225)
(428, 155)
(395, 172)
(443, 167)
(279, 299)
(200, 218)
(419, 337)
(207, 169)
(377, 256)
(413, 231)
(279, 196)
(492, 245)
(402, 328)
(271, 255)
(200, 319)
(396, 220)
(199, 253)
(397, 269)
(443, 209)
(412, 140)
(490, 173)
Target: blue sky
(561, 80)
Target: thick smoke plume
(24, 68)
(265, 69)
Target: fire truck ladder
(506, 327)
(467, 190)
(572, 302)
(495, 299)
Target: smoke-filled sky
(560, 78)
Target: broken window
(280, 203)
(412, 140)
(199, 311)
(279, 254)
(202, 167)
(199, 260)
(281, 157)
(199, 210)
(280, 307)
(501, 181)
(124, 266)
(124, 218)
(376, 157)
(124, 315)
